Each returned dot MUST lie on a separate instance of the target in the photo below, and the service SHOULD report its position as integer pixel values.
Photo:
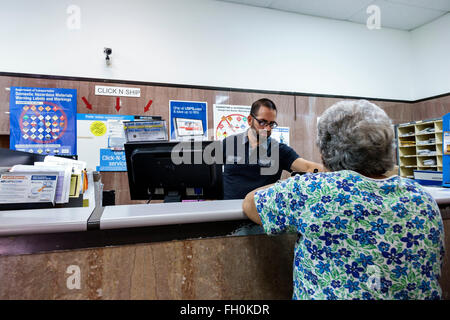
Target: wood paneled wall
(297, 112)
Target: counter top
(139, 215)
(74, 219)
(13, 222)
(441, 195)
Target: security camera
(107, 51)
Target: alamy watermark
(374, 278)
(266, 155)
(374, 20)
(74, 280)
(73, 21)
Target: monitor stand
(172, 196)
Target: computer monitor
(9, 158)
(153, 175)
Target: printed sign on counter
(27, 187)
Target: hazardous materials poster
(43, 120)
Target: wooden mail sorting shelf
(419, 146)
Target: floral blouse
(359, 238)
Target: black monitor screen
(152, 174)
(9, 158)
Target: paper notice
(27, 187)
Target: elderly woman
(362, 235)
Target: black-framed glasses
(264, 123)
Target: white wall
(206, 42)
(431, 58)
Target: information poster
(446, 143)
(43, 120)
(100, 141)
(188, 120)
(281, 134)
(229, 120)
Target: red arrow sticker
(148, 105)
(88, 105)
(117, 103)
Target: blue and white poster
(188, 120)
(43, 120)
(100, 141)
(281, 134)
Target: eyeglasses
(264, 123)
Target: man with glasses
(252, 159)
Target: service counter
(41, 230)
(188, 250)
(38, 221)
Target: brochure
(27, 187)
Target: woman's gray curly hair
(358, 136)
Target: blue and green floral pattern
(359, 238)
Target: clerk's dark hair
(262, 102)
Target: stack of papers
(429, 162)
(427, 130)
(407, 134)
(429, 141)
(407, 143)
(55, 180)
(427, 152)
(78, 182)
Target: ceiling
(397, 14)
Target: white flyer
(17, 187)
(61, 184)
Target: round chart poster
(230, 125)
(230, 120)
(42, 120)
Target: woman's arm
(249, 207)
(302, 165)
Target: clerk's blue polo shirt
(242, 173)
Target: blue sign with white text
(43, 120)
(188, 119)
(111, 160)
